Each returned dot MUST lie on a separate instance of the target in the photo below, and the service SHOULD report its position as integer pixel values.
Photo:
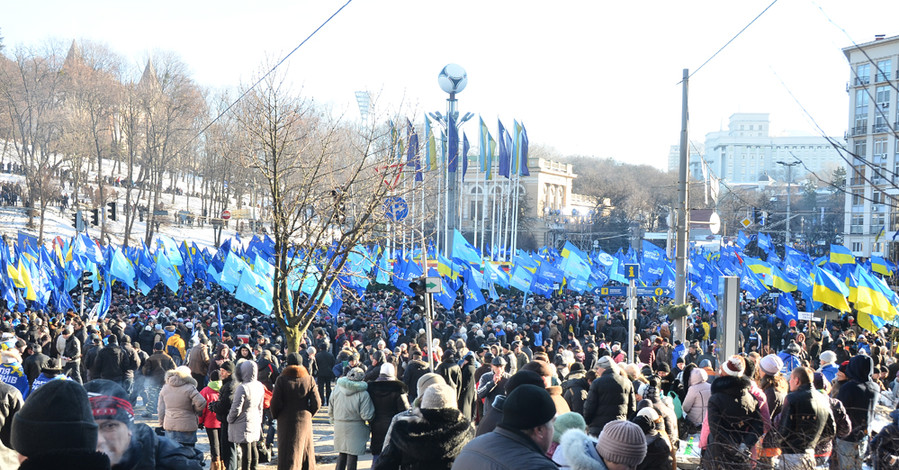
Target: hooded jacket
(574, 391)
(611, 397)
(697, 400)
(858, 396)
(734, 417)
(350, 407)
(245, 417)
(180, 403)
(426, 439)
(580, 451)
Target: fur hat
(566, 421)
(733, 367)
(428, 380)
(771, 364)
(828, 357)
(622, 442)
(439, 396)
(355, 374)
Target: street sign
(226, 214)
(613, 290)
(746, 222)
(653, 291)
(396, 208)
(434, 285)
(632, 271)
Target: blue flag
(786, 308)
(473, 296)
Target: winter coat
(179, 402)
(858, 396)
(467, 390)
(349, 408)
(489, 391)
(666, 412)
(574, 391)
(151, 452)
(10, 403)
(503, 449)
(647, 354)
(207, 417)
(805, 417)
(452, 373)
(733, 417)
(112, 362)
(611, 397)
(389, 398)
(843, 427)
(222, 407)
(156, 367)
(426, 439)
(413, 371)
(198, 359)
(885, 446)
(245, 417)
(295, 401)
(696, 403)
(658, 453)
(579, 451)
(325, 361)
(555, 392)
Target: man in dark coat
(611, 397)
(491, 385)
(806, 416)
(575, 388)
(467, 387)
(154, 375)
(858, 395)
(221, 408)
(389, 397)
(450, 371)
(324, 362)
(112, 362)
(413, 371)
(33, 364)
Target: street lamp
(452, 80)
(789, 190)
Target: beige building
(546, 198)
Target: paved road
(325, 456)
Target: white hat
(387, 370)
(828, 357)
(734, 366)
(649, 412)
(439, 396)
(772, 364)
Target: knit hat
(294, 359)
(650, 413)
(828, 357)
(523, 377)
(771, 364)
(733, 367)
(388, 371)
(56, 417)
(439, 396)
(428, 380)
(227, 366)
(646, 424)
(622, 442)
(157, 346)
(528, 406)
(109, 401)
(605, 362)
(355, 374)
(566, 421)
(576, 367)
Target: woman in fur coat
(429, 437)
(295, 401)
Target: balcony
(881, 77)
(862, 81)
(880, 128)
(856, 229)
(858, 130)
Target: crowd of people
(514, 385)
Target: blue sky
(586, 77)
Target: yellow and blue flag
(841, 255)
(829, 290)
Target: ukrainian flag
(779, 280)
(841, 255)
(829, 290)
(879, 265)
(873, 297)
(758, 266)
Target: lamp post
(452, 80)
(789, 190)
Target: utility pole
(683, 216)
(789, 191)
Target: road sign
(434, 285)
(613, 290)
(746, 222)
(226, 214)
(396, 208)
(632, 271)
(653, 291)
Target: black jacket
(222, 407)
(734, 417)
(452, 373)
(413, 371)
(806, 415)
(503, 449)
(658, 453)
(70, 460)
(33, 364)
(611, 398)
(858, 396)
(324, 361)
(574, 391)
(389, 398)
(151, 452)
(426, 439)
(489, 391)
(156, 366)
(111, 363)
(468, 390)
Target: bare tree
(317, 173)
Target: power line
(728, 42)
(263, 77)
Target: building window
(858, 198)
(863, 74)
(877, 247)
(857, 246)
(882, 111)
(861, 112)
(858, 164)
(884, 70)
(857, 226)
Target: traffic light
(95, 216)
(763, 218)
(76, 221)
(111, 212)
(418, 298)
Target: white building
(746, 153)
(871, 175)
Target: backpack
(173, 351)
